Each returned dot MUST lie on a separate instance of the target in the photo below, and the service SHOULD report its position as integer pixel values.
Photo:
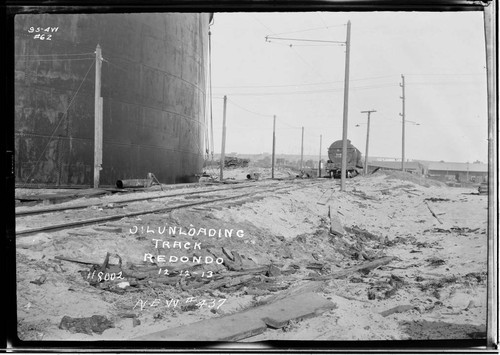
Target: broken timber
(432, 212)
(364, 266)
(335, 224)
(397, 309)
(248, 323)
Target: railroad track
(24, 211)
(40, 220)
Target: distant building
(459, 172)
(413, 167)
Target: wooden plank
(248, 323)
(303, 306)
(86, 262)
(229, 328)
(335, 224)
(367, 266)
(397, 309)
(433, 214)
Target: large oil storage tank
(153, 83)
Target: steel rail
(136, 199)
(92, 221)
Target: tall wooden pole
(402, 114)
(319, 161)
(346, 101)
(97, 118)
(367, 140)
(274, 145)
(302, 151)
(223, 148)
(490, 29)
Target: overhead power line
(313, 91)
(289, 45)
(302, 84)
(52, 55)
(303, 40)
(231, 101)
(60, 59)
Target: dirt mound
(400, 175)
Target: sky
(440, 54)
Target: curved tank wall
(153, 89)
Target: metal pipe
(123, 184)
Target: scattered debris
(364, 267)
(288, 250)
(335, 224)
(397, 309)
(436, 199)
(95, 324)
(233, 162)
(248, 323)
(108, 229)
(273, 271)
(253, 176)
(471, 304)
(76, 260)
(362, 194)
(40, 280)
(363, 234)
(434, 261)
(432, 212)
(36, 241)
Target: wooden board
(303, 306)
(335, 224)
(248, 323)
(229, 328)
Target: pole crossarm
(302, 40)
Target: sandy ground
(439, 270)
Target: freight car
(334, 163)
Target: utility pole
(346, 100)
(367, 139)
(302, 151)
(97, 118)
(402, 84)
(319, 161)
(223, 148)
(274, 145)
(491, 37)
(347, 43)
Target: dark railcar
(334, 164)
